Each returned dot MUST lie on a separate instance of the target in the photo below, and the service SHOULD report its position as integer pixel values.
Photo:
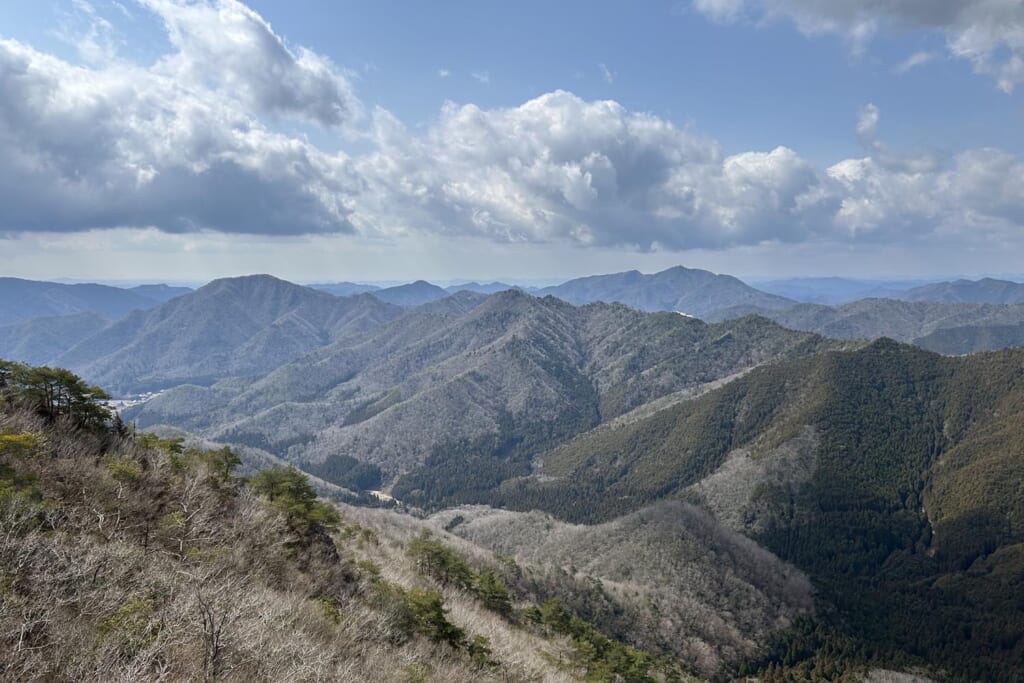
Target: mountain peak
(411, 294)
(685, 290)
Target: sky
(320, 140)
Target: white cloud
(559, 168)
(720, 10)
(183, 149)
(92, 35)
(443, 73)
(606, 73)
(125, 145)
(224, 45)
(915, 60)
(987, 33)
(482, 76)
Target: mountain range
(950, 328)
(21, 300)
(738, 495)
(240, 327)
(530, 370)
(984, 291)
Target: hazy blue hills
(984, 291)
(41, 340)
(160, 293)
(344, 288)
(832, 291)
(24, 299)
(950, 328)
(412, 294)
(482, 288)
(233, 327)
(685, 290)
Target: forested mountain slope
(41, 340)
(514, 370)
(671, 578)
(890, 474)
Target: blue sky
(390, 140)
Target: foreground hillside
(133, 558)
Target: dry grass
(139, 572)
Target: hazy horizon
(520, 281)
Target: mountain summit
(685, 290)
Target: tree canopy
(53, 393)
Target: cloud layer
(987, 33)
(192, 143)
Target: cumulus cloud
(182, 148)
(222, 44)
(124, 145)
(987, 33)
(559, 168)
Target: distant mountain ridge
(984, 291)
(160, 293)
(22, 300)
(685, 290)
(483, 288)
(834, 291)
(41, 340)
(344, 288)
(412, 294)
(949, 328)
(232, 327)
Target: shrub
(437, 561)
(289, 492)
(122, 468)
